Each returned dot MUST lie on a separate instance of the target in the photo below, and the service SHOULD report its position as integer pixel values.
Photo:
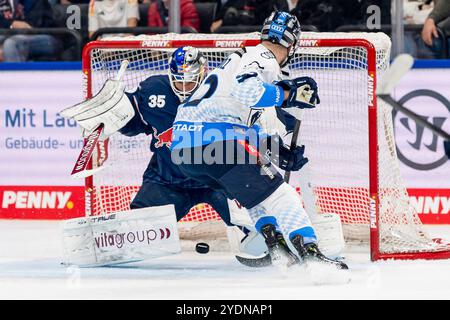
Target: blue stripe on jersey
(253, 92)
(273, 96)
(194, 134)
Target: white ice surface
(30, 253)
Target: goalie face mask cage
(187, 68)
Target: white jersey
(111, 13)
(221, 98)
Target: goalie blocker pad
(121, 237)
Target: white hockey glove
(303, 93)
(110, 106)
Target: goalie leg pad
(328, 228)
(121, 237)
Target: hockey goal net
(353, 169)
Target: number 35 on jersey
(157, 101)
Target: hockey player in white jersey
(216, 140)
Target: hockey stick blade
(80, 169)
(86, 173)
(401, 65)
(264, 261)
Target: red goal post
(351, 63)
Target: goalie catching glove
(110, 106)
(303, 93)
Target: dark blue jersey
(156, 106)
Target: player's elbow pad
(254, 93)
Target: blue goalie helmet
(187, 68)
(282, 28)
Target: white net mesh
(336, 135)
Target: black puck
(202, 247)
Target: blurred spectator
(28, 14)
(158, 14)
(440, 15)
(112, 13)
(246, 12)
(292, 4)
(427, 45)
(66, 2)
(414, 13)
(327, 15)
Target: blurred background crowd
(48, 30)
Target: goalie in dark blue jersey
(151, 109)
(155, 103)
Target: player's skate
(279, 252)
(310, 253)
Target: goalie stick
(401, 65)
(80, 169)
